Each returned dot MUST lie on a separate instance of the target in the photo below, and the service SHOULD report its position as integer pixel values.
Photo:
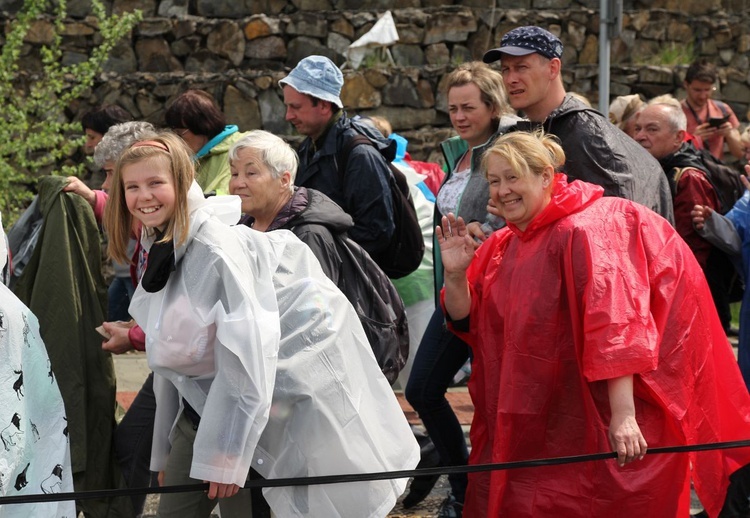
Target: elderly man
(596, 150)
(311, 95)
(660, 129)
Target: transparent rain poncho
(252, 334)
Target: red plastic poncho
(597, 288)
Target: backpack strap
(723, 107)
(346, 150)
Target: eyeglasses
(180, 132)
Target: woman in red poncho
(593, 330)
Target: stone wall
(239, 49)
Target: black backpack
(378, 305)
(406, 248)
(723, 178)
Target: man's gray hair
(274, 152)
(673, 110)
(120, 137)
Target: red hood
(567, 198)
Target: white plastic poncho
(34, 452)
(271, 354)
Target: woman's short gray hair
(274, 152)
(119, 138)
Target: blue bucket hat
(317, 76)
(522, 41)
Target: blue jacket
(363, 189)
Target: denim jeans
(118, 299)
(133, 438)
(440, 355)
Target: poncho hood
(567, 198)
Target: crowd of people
(583, 268)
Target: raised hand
(456, 244)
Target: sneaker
(450, 508)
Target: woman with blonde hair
(479, 113)
(593, 330)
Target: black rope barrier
(363, 477)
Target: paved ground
(131, 370)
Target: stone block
(227, 8)
(312, 5)
(551, 4)
(121, 60)
(273, 112)
(186, 46)
(654, 31)
(260, 26)
(590, 53)
(656, 74)
(70, 58)
(449, 26)
(678, 31)
(359, 94)
(307, 24)
(725, 56)
(148, 105)
(575, 36)
(264, 82)
(425, 93)
(183, 28)
(408, 55)
(479, 42)
(301, 47)
(170, 8)
(414, 17)
(228, 41)
(437, 54)
(77, 29)
(342, 26)
(410, 34)
(166, 90)
(735, 91)
(77, 8)
(204, 61)
(271, 47)
(740, 61)
(153, 27)
(41, 32)
(377, 78)
(154, 56)
(148, 7)
(618, 89)
(241, 110)
(400, 91)
(460, 54)
(338, 42)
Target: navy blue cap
(522, 41)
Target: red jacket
(597, 288)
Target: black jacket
(598, 152)
(315, 219)
(362, 191)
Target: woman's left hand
(626, 438)
(217, 490)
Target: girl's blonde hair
(527, 152)
(489, 82)
(170, 149)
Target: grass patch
(671, 54)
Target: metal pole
(604, 47)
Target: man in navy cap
(596, 151)
(311, 95)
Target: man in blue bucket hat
(313, 105)
(596, 150)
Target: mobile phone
(101, 331)
(715, 122)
